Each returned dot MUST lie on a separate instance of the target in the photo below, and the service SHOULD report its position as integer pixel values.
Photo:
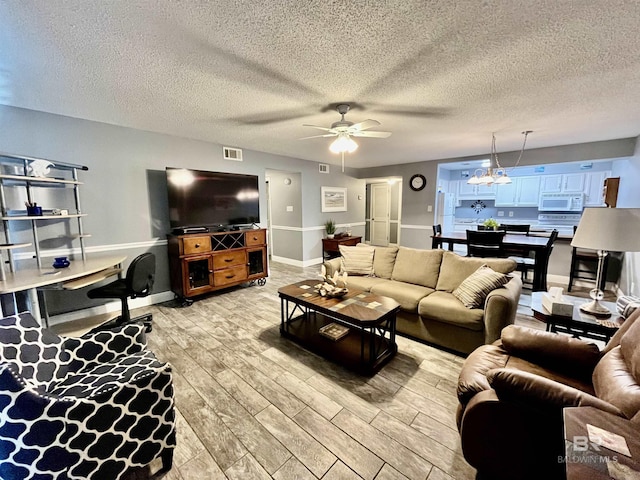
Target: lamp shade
(610, 229)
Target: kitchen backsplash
(483, 209)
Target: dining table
(537, 245)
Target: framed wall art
(334, 199)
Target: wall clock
(417, 182)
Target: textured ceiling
(441, 75)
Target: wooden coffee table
(579, 324)
(371, 319)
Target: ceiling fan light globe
(343, 143)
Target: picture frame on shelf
(334, 199)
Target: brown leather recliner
(512, 394)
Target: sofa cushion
(630, 351)
(420, 267)
(363, 283)
(356, 261)
(384, 259)
(455, 269)
(444, 307)
(474, 289)
(406, 294)
(613, 383)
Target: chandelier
(496, 173)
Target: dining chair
(515, 229)
(485, 243)
(526, 264)
(437, 229)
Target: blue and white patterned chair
(88, 407)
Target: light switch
(289, 208)
(429, 208)
(500, 213)
(511, 213)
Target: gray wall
(125, 188)
(124, 191)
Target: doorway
(379, 215)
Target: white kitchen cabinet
(593, 188)
(528, 191)
(573, 182)
(468, 191)
(506, 194)
(550, 183)
(521, 192)
(566, 183)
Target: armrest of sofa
(561, 353)
(500, 309)
(473, 375)
(332, 266)
(540, 392)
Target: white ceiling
(441, 75)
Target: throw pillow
(473, 291)
(356, 260)
(420, 267)
(383, 260)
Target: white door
(380, 206)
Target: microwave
(561, 202)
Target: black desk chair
(138, 283)
(484, 243)
(525, 264)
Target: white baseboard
(111, 307)
(297, 263)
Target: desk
(586, 460)
(331, 246)
(538, 245)
(79, 274)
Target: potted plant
(491, 223)
(330, 228)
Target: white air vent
(232, 154)
(323, 168)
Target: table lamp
(606, 230)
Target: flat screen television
(199, 198)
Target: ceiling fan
(344, 130)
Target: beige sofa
(422, 281)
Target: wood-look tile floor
(252, 405)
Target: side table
(330, 246)
(579, 324)
(585, 459)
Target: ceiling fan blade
(371, 134)
(318, 136)
(364, 125)
(319, 128)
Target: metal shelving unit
(20, 177)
